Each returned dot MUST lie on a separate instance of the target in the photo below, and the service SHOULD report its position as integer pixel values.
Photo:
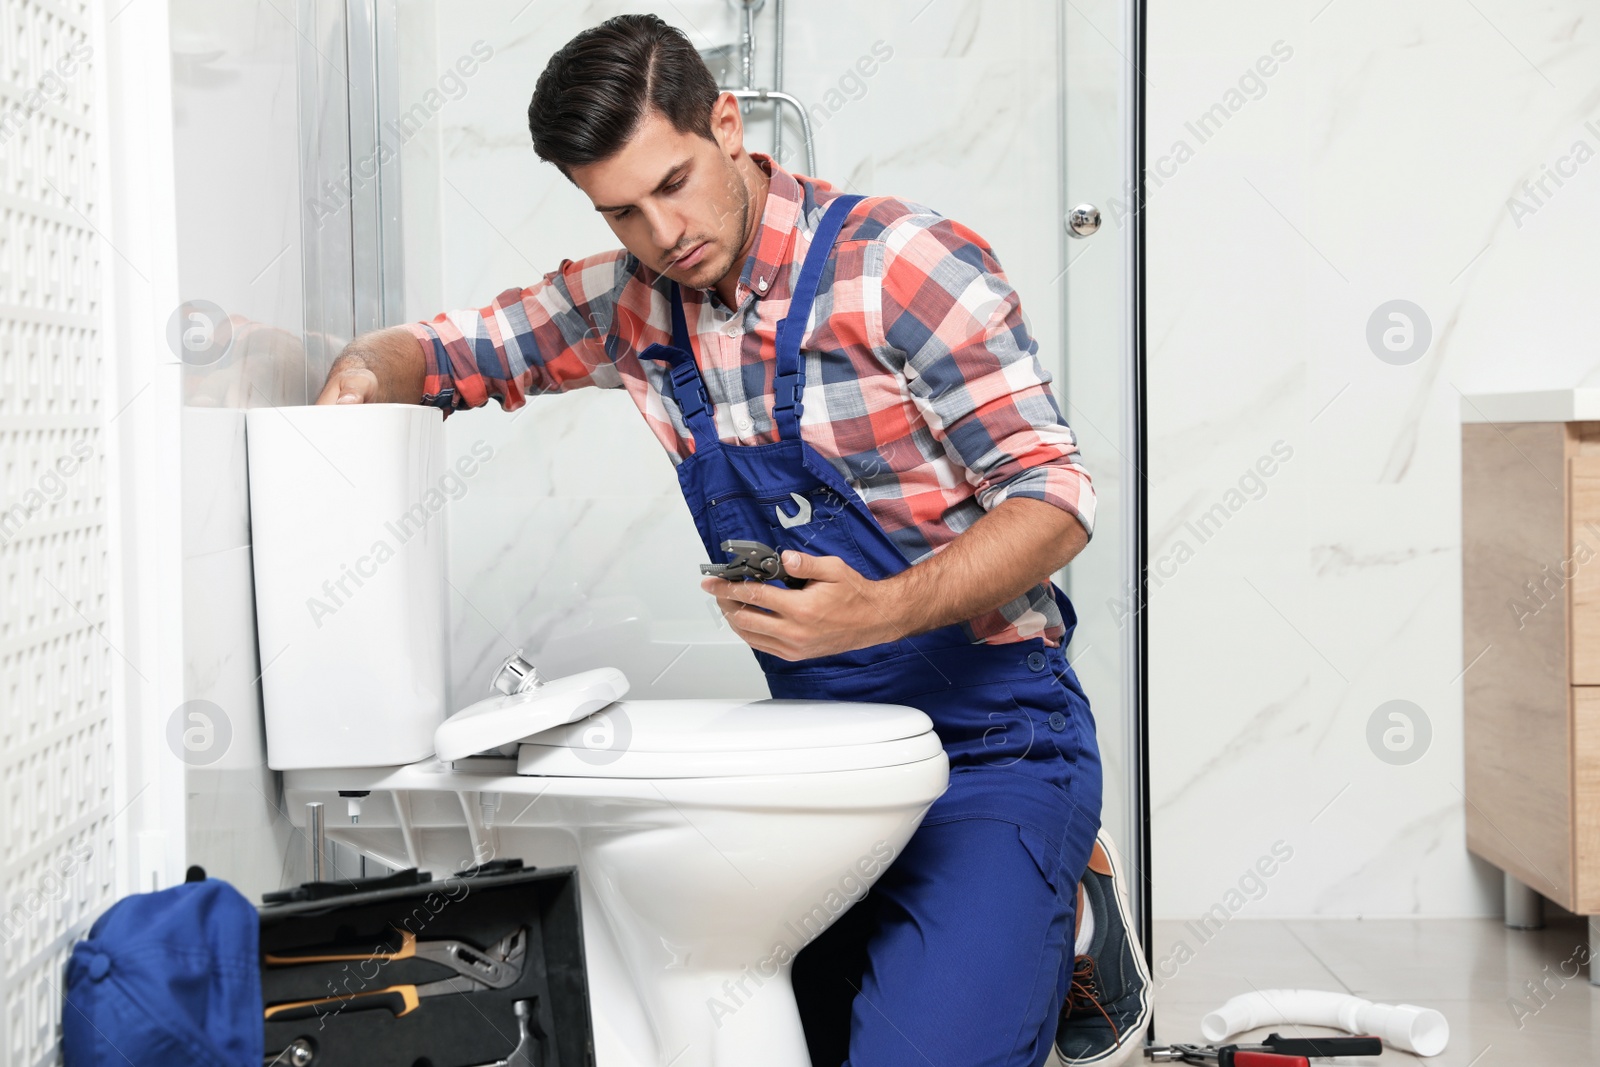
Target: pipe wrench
(475, 970)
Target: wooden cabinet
(1530, 497)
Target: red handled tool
(1275, 1051)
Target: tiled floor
(1473, 970)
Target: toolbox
(480, 969)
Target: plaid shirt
(922, 383)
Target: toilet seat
(729, 738)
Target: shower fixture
(721, 60)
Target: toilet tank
(347, 524)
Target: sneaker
(1108, 1004)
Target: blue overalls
(961, 953)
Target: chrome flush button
(516, 675)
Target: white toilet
(713, 838)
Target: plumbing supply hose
(1404, 1026)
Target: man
(851, 381)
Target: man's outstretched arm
(381, 367)
(552, 336)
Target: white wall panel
(56, 773)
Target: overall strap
(688, 390)
(790, 379)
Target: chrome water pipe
(776, 97)
(748, 93)
(317, 839)
(747, 44)
(777, 85)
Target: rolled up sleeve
(553, 336)
(952, 317)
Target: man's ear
(727, 125)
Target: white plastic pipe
(1403, 1026)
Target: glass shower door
(1102, 395)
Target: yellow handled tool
(497, 968)
(400, 999)
(406, 951)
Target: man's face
(676, 200)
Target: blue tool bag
(168, 979)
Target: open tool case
(485, 950)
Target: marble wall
(1304, 480)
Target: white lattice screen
(55, 664)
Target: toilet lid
(505, 719)
(722, 738)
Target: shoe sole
(1133, 1043)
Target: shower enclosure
(418, 191)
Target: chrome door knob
(1083, 220)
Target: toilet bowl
(714, 839)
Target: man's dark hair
(594, 92)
